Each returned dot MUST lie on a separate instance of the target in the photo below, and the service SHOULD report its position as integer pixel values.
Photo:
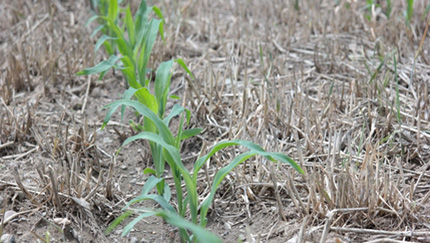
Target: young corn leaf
(190, 133)
(200, 234)
(162, 85)
(130, 26)
(176, 110)
(254, 150)
(145, 111)
(91, 20)
(174, 219)
(147, 45)
(157, 11)
(96, 30)
(130, 225)
(179, 133)
(167, 194)
(117, 221)
(150, 183)
(102, 40)
(252, 147)
(141, 19)
(157, 198)
(149, 171)
(184, 66)
(101, 67)
(113, 10)
(127, 95)
(219, 176)
(188, 116)
(146, 98)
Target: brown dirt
(303, 82)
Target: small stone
(98, 92)
(242, 237)
(107, 140)
(7, 238)
(133, 240)
(227, 226)
(9, 214)
(133, 181)
(123, 167)
(118, 232)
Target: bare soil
(341, 89)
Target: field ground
(341, 89)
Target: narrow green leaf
(150, 183)
(378, 69)
(162, 86)
(102, 40)
(190, 133)
(157, 11)
(130, 26)
(130, 225)
(91, 20)
(200, 233)
(252, 147)
(176, 110)
(145, 111)
(179, 133)
(146, 98)
(113, 10)
(148, 44)
(141, 17)
(117, 221)
(184, 66)
(109, 48)
(127, 95)
(96, 30)
(188, 116)
(130, 77)
(103, 66)
(219, 176)
(167, 193)
(157, 198)
(149, 171)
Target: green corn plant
(134, 37)
(171, 152)
(409, 12)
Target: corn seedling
(171, 153)
(409, 12)
(133, 60)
